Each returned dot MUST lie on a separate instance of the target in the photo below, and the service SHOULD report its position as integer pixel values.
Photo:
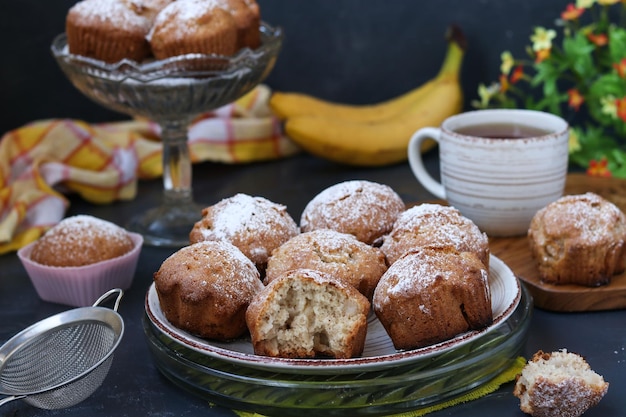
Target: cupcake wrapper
(81, 286)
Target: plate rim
(377, 362)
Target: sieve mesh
(57, 357)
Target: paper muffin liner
(81, 286)
(107, 45)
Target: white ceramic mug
(498, 182)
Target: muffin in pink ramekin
(80, 285)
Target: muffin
(110, 30)
(255, 225)
(558, 384)
(436, 226)
(81, 258)
(364, 209)
(193, 26)
(340, 255)
(306, 314)
(205, 289)
(579, 239)
(431, 295)
(246, 14)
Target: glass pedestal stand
(170, 223)
(171, 92)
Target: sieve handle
(109, 293)
(11, 398)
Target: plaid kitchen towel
(42, 161)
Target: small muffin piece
(340, 254)
(193, 26)
(109, 30)
(364, 209)
(435, 226)
(205, 289)
(81, 240)
(431, 295)
(579, 239)
(558, 384)
(305, 314)
(255, 225)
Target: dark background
(355, 51)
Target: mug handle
(417, 164)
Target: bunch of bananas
(376, 134)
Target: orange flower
(504, 83)
(599, 168)
(518, 73)
(599, 40)
(575, 99)
(541, 55)
(572, 12)
(620, 67)
(620, 103)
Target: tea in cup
(497, 167)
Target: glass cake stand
(171, 92)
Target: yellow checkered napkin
(43, 160)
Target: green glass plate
(420, 383)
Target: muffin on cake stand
(171, 92)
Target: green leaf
(617, 43)
(578, 56)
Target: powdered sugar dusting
(355, 207)
(588, 216)
(84, 228)
(434, 225)
(184, 12)
(416, 273)
(240, 213)
(112, 12)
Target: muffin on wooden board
(579, 239)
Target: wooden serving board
(516, 254)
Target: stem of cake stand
(170, 223)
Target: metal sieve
(61, 360)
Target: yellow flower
(507, 62)
(609, 106)
(585, 3)
(607, 2)
(486, 93)
(574, 144)
(542, 38)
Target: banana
(286, 105)
(380, 142)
